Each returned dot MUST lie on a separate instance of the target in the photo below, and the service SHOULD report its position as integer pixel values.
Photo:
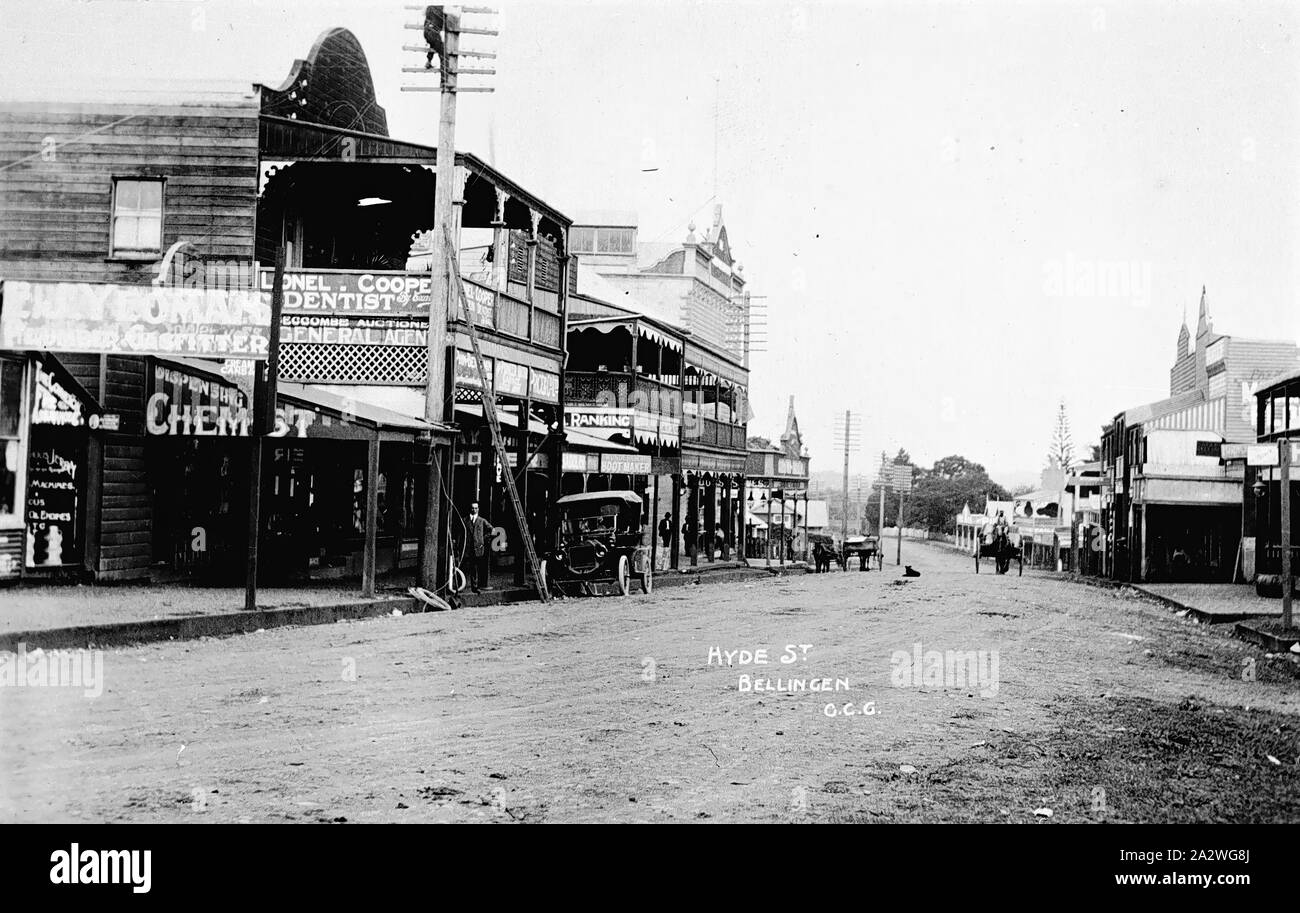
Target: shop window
(137, 217)
(1293, 413)
(11, 403)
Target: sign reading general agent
(135, 319)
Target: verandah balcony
(616, 388)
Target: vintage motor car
(600, 542)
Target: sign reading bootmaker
(134, 319)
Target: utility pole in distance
(441, 23)
(848, 437)
(902, 474)
(882, 482)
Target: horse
(1000, 549)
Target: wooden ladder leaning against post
(490, 413)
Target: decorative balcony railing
(615, 388)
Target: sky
(924, 192)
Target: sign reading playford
(134, 319)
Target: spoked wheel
(624, 576)
(647, 580)
(542, 582)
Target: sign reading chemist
(185, 404)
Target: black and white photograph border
(672, 412)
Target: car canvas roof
(629, 497)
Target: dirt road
(1079, 701)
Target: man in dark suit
(666, 530)
(478, 545)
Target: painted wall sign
(185, 404)
(351, 293)
(55, 486)
(55, 404)
(482, 303)
(467, 370)
(544, 386)
(345, 331)
(511, 379)
(165, 418)
(601, 418)
(134, 319)
(631, 463)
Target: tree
(1062, 449)
(952, 467)
(1094, 453)
(940, 493)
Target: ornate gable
(332, 86)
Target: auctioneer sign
(134, 319)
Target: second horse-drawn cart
(1002, 548)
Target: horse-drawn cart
(866, 549)
(1002, 548)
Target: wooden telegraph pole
(1285, 496)
(441, 23)
(848, 438)
(883, 484)
(265, 390)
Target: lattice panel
(308, 363)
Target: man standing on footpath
(478, 536)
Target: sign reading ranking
(135, 319)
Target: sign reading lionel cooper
(359, 293)
(135, 319)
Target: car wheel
(647, 580)
(624, 576)
(542, 582)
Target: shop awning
(580, 440)
(574, 439)
(191, 397)
(639, 325)
(508, 416)
(348, 410)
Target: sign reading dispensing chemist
(185, 404)
(135, 319)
